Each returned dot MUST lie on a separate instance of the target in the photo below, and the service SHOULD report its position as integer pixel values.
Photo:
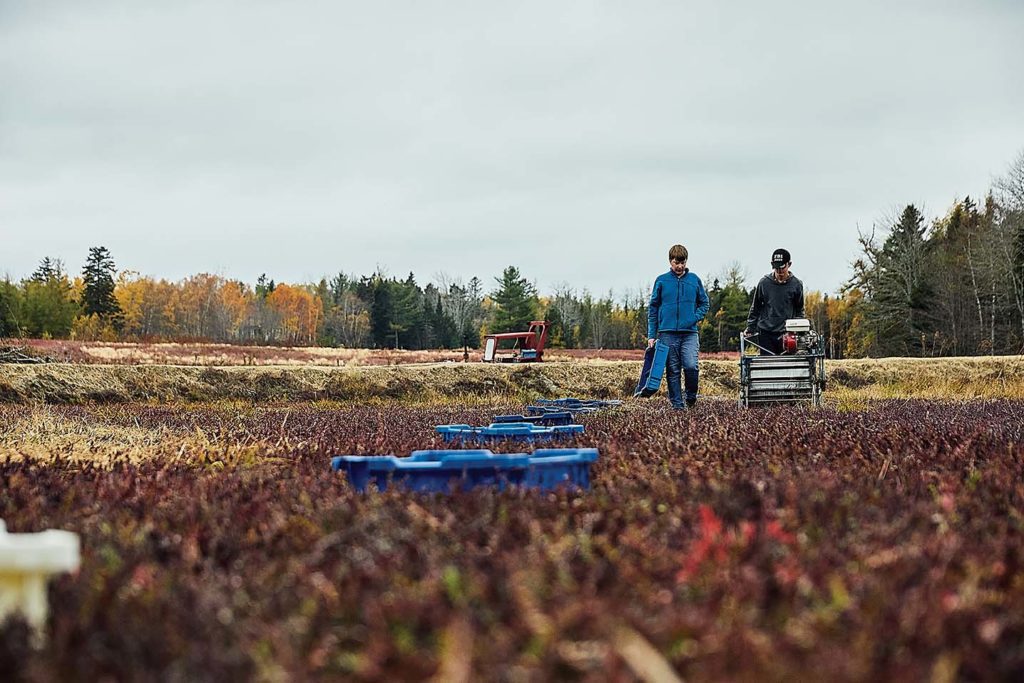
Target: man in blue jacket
(678, 303)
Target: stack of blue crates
(507, 431)
(555, 417)
(447, 470)
(574, 406)
(441, 470)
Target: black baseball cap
(780, 257)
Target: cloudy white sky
(576, 140)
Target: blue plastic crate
(507, 431)
(653, 370)
(554, 467)
(445, 470)
(573, 403)
(555, 417)
(550, 410)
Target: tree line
(951, 286)
(375, 310)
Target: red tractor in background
(527, 347)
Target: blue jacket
(677, 304)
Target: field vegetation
(879, 537)
(849, 381)
(720, 543)
(220, 355)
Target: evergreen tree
(727, 312)
(442, 330)
(381, 313)
(264, 287)
(340, 285)
(516, 302)
(445, 336)
(710, 329)
(406, 316)
(396, 311)
(98, 278)
(47, 270)
(734, 309)
(900, 282)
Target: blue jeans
(682, 359)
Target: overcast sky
(575, 140)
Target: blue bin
(551, 410)
(447, 470)
(507, 431)
(555, 417)
(653, 370)
(429, 471)
(576, 403)
(553, 467)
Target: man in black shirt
(778, 297)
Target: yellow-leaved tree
(298, 312)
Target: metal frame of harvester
(796, 376)
(527, 347)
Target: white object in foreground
(26, 562)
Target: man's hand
(749, 333)
(650, 343)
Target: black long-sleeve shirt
(774, 303)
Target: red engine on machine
(799, 337)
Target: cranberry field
(884, 541)
(221, 355)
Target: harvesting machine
(797, 375)
(527, 347)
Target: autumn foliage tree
(298, 312)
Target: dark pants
(682, 360)
(769, 340)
